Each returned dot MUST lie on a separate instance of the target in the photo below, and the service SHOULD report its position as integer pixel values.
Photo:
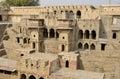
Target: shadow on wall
(80, 64)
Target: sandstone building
(60, 42)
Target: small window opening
(67, 64)
(33, 45)
(63, 48)
(102, 47)
(114, 35)
(18, 40)
(22, 54)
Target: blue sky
(77, 2)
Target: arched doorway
(80, 34)
(93, 34)
(32, 77)
(78, 14)
(87, 34)
(71, 16)
(114, 35)
(63, 48)
(92, 47)
(23, 76)
(52, 33)
(41, 78)
(45, 33)
(86, 46)
(67, 64)
(80, 46)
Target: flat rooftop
(41, 56)
(78, 74)
(7, 64)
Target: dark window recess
(114, 36)
(22, 54)
(80, 33)
(102, 47)
(41, 78)
(18, 40)
(25, 40)
(0, 18)
(32, 77)
(52, 33)
(23, 76)
(1, 71)
(63, 48)
(80, 46)
(33, 45)
(67, 64)
(7, 72)
(57, 35)
(87, 33)
(93, 34)
(78, 14)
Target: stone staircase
(10, 45)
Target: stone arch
(80, 46)
(71, 11)
(41, 78)
(92, 47)
(114, 36)
(52, 33)
(45, 33)
(57, 34)
(93, 34)
(63, 47)
(32, 77)
(67, 64)
(78, 14)
(86, 46)
(71, 14)
(87, 34)
(66, 11)
(80, 34)
(23, 76)
(61, 11)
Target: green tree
(20, 2)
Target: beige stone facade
(61, 42)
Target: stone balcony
(35, 23)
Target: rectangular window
(102, 47)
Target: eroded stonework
(60, 42)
